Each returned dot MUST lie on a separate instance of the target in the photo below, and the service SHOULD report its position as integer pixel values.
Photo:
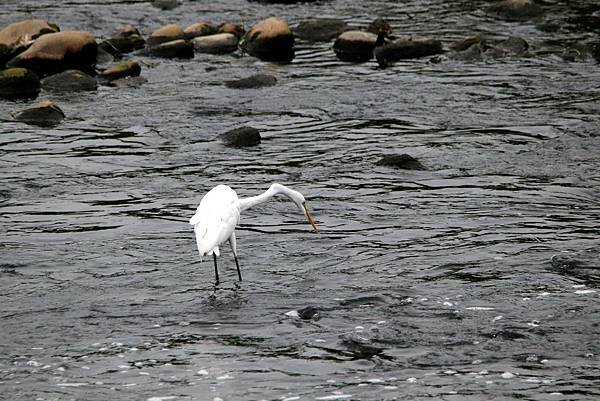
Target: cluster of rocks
(36, 55)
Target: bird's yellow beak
(309, 217)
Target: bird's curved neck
(273, 190)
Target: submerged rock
(402, 161)
(174, 49)
(253, 81)
(164, 34)
(241, 137)
(516, 10)
(407, 48)
(220, 43)
(69, 81)
(202, 28)
(127, 68)
(165, 4)
(320, 29)
(44, 114)
(355, 46)
(513, 46)
(270, 40)
(55, 52)
(19, 83)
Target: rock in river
(174, 49)
(355, 46)
(45, 114)
(253, 81)
(402, 161)
(167, 33)
(202, 28)
(270, 40)
(17, 36)
(55, 52)
(407, 48)
(69, 81)
(19, 83)
(320, 29)
(127, 68)
(220, 43)
(516, 10)
(241, 137)
(125, 40)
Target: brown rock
(69, 81)
(173, 49)
(220, 43)
(23, 32)
(355, 46)
(202, 28)
(166, 33)
(127, 68)
(19, 83)
(44, 114)
(407, 48)
(270, 40)
(228, 27)
(55, 52)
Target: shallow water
(437, 284)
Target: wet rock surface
(69, 81)
(253, 81)
(19, 83)
(355, 46)
(43, 114)
(220, 43)
(270, 40)
(320, 29)
(241, 137)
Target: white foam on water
(583, 292)
(161, 398)
(33, 363)
(375, 380)
(224, 377)
(479, 308)
(144, 373)
(202, 372)
(292, 313)
(71, 384)
(381, 322)
(129, 384)
(335, 397)
(412, 380)
(507, 375)
(294, 398)
(499, 317)
(390, 387)
(359, 328)
(447, 303)
(578, 285)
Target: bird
(218, 214)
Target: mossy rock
(241, 137)
(19, 83)
(69, 81)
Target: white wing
(216, 218)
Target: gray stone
(44, 114)
(241, 137)
(253, 81)
(402, 161)
(19, 83)
(69, 81)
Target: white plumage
(219, 213)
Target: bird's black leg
(238, 267)
(216, 271)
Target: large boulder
(174, 49)
(516, 10)
(44, 114)
(320, 29)
(55, 52)
(355, 46)
(167, 33)
(270, 40)
(202, 28)
(241, 137)
(19, 83)
(16, 36)
(69, 81)
(400, 49)
(220, 43)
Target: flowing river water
(476, 279)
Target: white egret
(219, 213)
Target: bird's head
(298, 199)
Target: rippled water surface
(436, 284)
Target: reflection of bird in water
(219, 213)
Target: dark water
(436, 284)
